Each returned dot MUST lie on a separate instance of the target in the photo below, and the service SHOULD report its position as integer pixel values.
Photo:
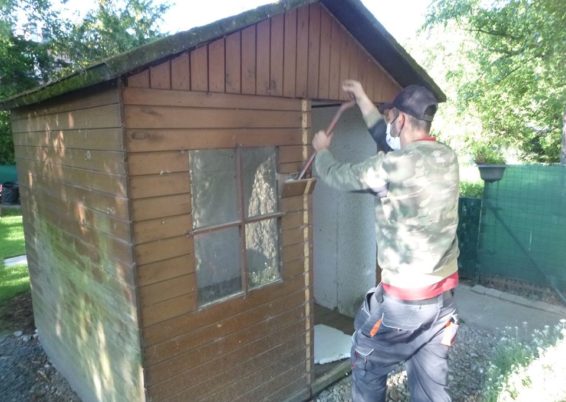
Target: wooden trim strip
(155, 97)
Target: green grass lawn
(13, 280)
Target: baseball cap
(416, 101)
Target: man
(410, 317)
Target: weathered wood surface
(185, 344)
(305, 53)
(71, 162)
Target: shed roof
(359, 21)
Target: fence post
(563, 149)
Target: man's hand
(354, 89)
(321, 141)
(369, 111)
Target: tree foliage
(38, 45)
(518, 88)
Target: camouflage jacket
(416, 212)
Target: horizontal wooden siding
(72, 174)
(244, 344)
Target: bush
(487, 154)
(470, 189)
(528, 370)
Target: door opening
(344, 247)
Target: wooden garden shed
(167, 260)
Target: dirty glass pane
(213, 187)
(260, 186)
(217, 256)
(262, 251)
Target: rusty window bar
(253, 219)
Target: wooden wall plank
(162, 228)
(266, 337)
(160, 76)
(378, 92)
(139, 80)
(314, 50)
(165, 269)
(223, 384)
(173, 327)
(145, 140)
(233, 63)
(152, 97)
(344, 59)
(111, 162)
(276, 56)
(147, 253)
(85, 214)
(167, 117)
(198, 338)
(290, 53)
(40, 172)
(157, 163)
(353, 60)
(109, 139)
(324, 68)
(152, 208)
(216, 66)
(249, 60)
(335, 86)
(69, 103)
(262, 57)
(199, 69)
(248, 355)
(167, 289)
(158, 185)
(78, 239)
(302, 52)
(370, 77)
(180, 72)
(293, 153)
(265, 371)
(107, 116)
(68, 248)
(169, 309)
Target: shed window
(236, 220)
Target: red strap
(427, 138)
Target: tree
(519, 89)
(38, 45)
(112, 28)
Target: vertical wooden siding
(238, 347)
(71, 170)
(305, 53)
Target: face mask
(393, 142)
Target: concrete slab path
(10, 262)
(492, 309)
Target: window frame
(242, 222)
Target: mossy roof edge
(132, 60)
(352, 13)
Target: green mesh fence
(469, 215)
(523, 226)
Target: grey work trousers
(390, 331)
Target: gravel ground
(468, 362)
(27, 375)
(25, 372)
